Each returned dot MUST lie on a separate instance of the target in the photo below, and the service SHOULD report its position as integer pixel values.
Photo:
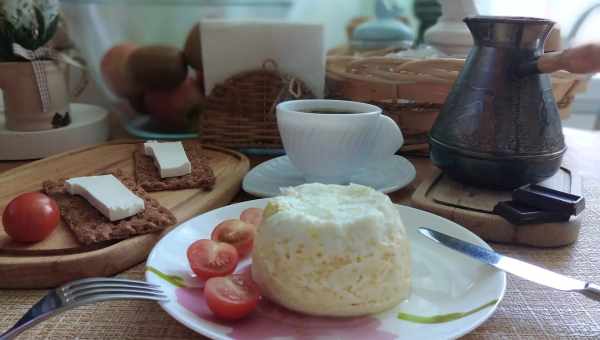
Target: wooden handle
(581, 59)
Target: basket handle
(294, 87)
(270, 64)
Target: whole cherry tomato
(237, 233)
(30, 217)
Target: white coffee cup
(329, 147)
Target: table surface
(528, 311)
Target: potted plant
(29, 23)
(35, 89)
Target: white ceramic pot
(450, 35)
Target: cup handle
(389, 139)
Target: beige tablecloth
(528, 311)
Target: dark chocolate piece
(517, 213)
(547, 199)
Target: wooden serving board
(473, 208)
(60, 258)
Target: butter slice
(169, 157)
(107, 194)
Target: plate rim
(133, 126)
(412, 174)
(209, 333)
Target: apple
(113, 68)
(158, 67)
(175, 109)
(137, 103)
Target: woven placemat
(528, 311)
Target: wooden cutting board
(473, 208)
(59, 258)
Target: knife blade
(513, 266)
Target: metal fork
(82, 292)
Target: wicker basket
(412, 91)
(240, 113)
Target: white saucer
(89, 126)
(266, 179)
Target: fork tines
(101, 289)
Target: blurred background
(337, 13)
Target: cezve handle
(581, 59)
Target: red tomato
(231, 297)
(237, 233)
(30, 217)
(175, 109)
(252, 216)
(210, 258)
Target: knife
(516, 267)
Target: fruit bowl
(145, 56)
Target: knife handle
(592, 291)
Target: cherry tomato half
(210, 258)
(231, 297)
(237, 233)
(252, 216)
(30, 217)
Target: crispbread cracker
(90, 226)
(148, 176)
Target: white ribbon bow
(37, 57)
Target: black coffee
(328, 111)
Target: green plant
(29, 23)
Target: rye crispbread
(90, 226)
(148, 176)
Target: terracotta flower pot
(22, 103)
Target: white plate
(266, 179)
(443, 282)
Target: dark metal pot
(500, 126)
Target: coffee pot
(500, 125)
